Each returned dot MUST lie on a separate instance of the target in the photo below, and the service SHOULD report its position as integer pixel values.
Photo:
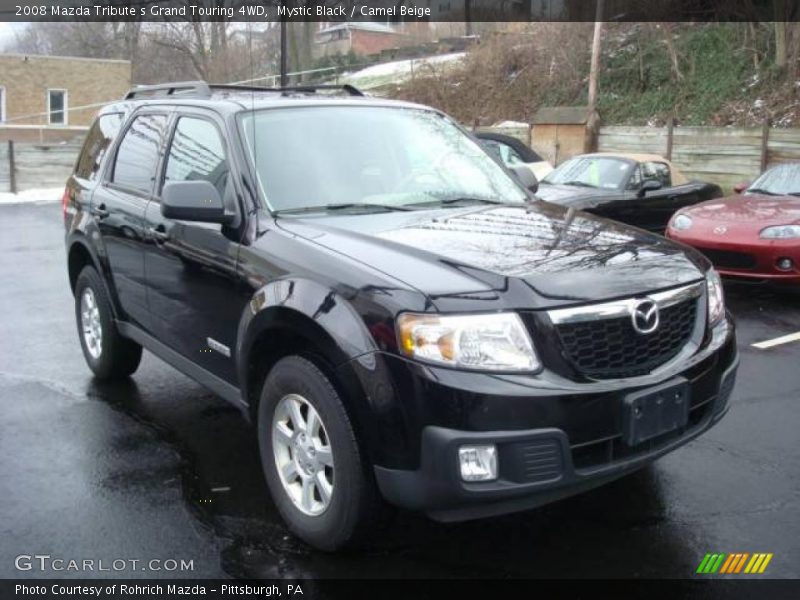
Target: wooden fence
(723, 155)
(25, 166)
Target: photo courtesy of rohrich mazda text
(475, 294)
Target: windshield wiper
(761, 191)
(340, 206)
(459, 200)
(580, 184)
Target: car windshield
(346, 157)
(591, 171)
(782, 180)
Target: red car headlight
(681, 222)
(780, 232)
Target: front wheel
(108, 354)
(314, 467)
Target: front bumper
(543, 464)
(765, 255)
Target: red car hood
(744, 213)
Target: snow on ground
(34, 195)
(400, 70)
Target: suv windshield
(361, 157)
(591, 171)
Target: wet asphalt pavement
(159, 468)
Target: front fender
(354, 346)
(319, 311)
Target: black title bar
(398, 11)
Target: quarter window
(635, 182)
(658, 171)
(57, 107)
(197, 154)
(99, 138)
(137, 157)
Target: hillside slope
(702, 74)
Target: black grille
(728, 259)
(612, 348)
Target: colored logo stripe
(734, 563)
(711, 563)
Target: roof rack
(199, 88)
(204, 90)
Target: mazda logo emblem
(644, 316)
(721, 230)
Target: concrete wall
(41, 134)
(38, 165)
(26, 79)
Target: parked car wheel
(108, 354)
(314, 467)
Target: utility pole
(284, 53)
(595, 64)
(593, 72)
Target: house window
(2, 104)
(57, 107)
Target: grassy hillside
(703, 74)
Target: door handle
(158, 233)
(101, 212)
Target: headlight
(780, 232)
(490, 342)
(716, 301)
(681, 223)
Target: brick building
(54, 98)
(362, 38)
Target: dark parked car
(754, 235)
(643, 190)
(514, 153)
(397, 315)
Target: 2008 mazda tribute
(397, 313)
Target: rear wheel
(317, 475)
(108, 354)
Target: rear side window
(137, 156)
(197, 154)
(99, 138)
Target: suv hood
(571, 195)
(564, 255)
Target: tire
(115, 357)
(354, 507)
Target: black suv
(396, 312)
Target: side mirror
(740, 187)
(526, 177)
(193, 201)
(649, 185)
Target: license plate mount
(655, 411)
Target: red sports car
(754, 234)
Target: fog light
(478, 463)
(784, 264)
